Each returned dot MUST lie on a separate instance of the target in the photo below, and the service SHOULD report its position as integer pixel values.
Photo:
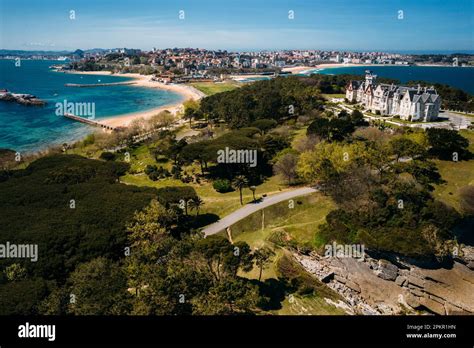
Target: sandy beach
(187, 92)
(304, 69)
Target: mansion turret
(410, 103)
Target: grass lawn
(89, 151)
(307, 305)
(217, 203)
(225, 203)
(210, 88)
(297, 135)
(141, 157)
(300, 223)
(469, 135)
(335, 95)
(456, 174)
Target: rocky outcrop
(386, 270)
(372, 286)
(465, 255)
(24, 99)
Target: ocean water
(255, 78)
(460, 77)
(31, 128)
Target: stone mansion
(410, 103)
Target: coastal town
(180, 65)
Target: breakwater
(99, 84)
(88, 121)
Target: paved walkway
(250, 208)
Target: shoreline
(124, 120)
(306, 69)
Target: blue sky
(238, 24)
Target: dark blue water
(30, 128)
(459, 77)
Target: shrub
(187, 179)
(176, 172)
(150, 169)
(154, 176)
(88, 140)
(155, 173)
(174, 194)
(107, 156)
(264, 124)
(279, 238)
(466, 194)
(246, 132)
(222, 185)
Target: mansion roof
(415, 94)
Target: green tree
(331, 129)
(404, 147)
(239, 183)
(320, 127)
(222, 259)
(264, 125)
(195, 204)
(253, 189)
(149, 227)
(15, 272)
(328, 160)
(22, 297)
(99, 287)
(263, 257)
(163, 119)
(444, 143)
(191, 110)
(232, 296)
(357, 117)
(286, 167)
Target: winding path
(250, 208)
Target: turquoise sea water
(460, 77)
(30, 128)
(255, 78)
